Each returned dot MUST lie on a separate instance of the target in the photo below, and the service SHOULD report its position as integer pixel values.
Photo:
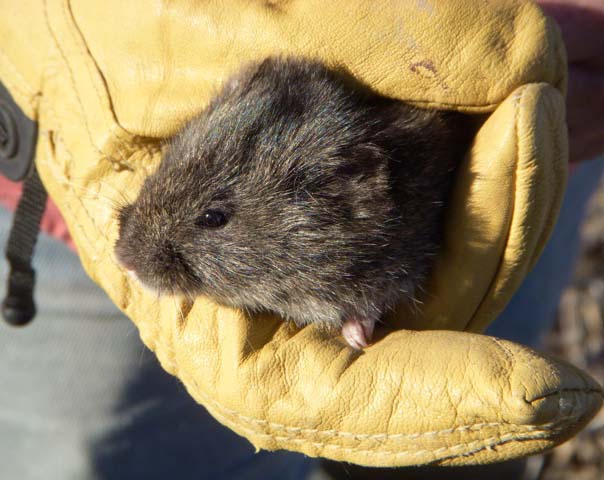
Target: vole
(298, 192)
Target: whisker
(95, 195)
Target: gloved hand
(108, 80)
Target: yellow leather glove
(107, 80)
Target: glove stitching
(123, 139)
(94, 74)
(386, 436)
(71, 77)
(115, 134)
(77, 39)
(480, 444)
(532, 433)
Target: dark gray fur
(335, 197)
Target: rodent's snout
(150, 254)
(160, 267)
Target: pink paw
(357, 331)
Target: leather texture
(109, 80)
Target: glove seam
(52, 118)
(531, 432)
(473, 107)
(49, 25)
(76, 39)
(481, 444)
(385, 436)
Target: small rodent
(299, 192)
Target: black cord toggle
(18, 307)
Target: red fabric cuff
(52, 221)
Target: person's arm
(582, 25)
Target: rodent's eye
(212, 219)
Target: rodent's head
(281, 187)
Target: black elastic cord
(18, 307)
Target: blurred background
(579, 338)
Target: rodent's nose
(167, 255)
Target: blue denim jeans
(82, 398)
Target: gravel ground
(579, 338)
